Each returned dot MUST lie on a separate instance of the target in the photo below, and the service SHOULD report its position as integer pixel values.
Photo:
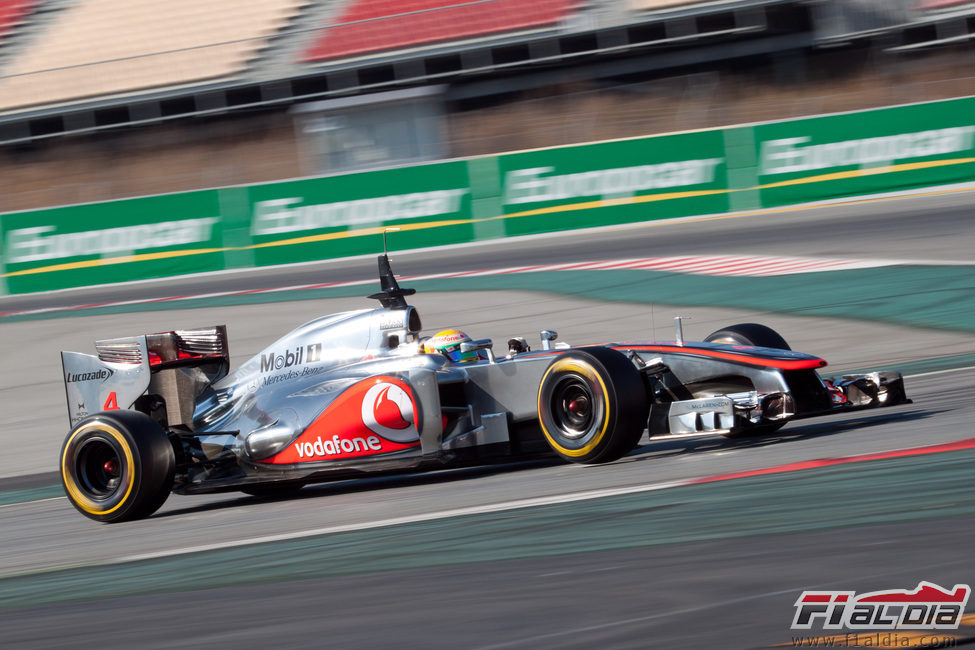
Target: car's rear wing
(124, 369)
(93, 384)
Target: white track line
(941, 372)
(397, 521)
(21, 503)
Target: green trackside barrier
(102, 243)
(339, 216)
(235, 227)
(866, 152)
(684, 174)
(614, 182)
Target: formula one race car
(354, 392)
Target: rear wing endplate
(92, 384)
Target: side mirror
(547, 337)
(480, 344)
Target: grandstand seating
(105, 47)
(70, 65)
(368, 26)
(11, 12)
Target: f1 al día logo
(928, 607)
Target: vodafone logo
(387, 410)
(373, 417)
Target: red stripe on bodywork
(968, 443)
(782, 364)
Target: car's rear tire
(592, 405)
(751, 334)
(117, 466)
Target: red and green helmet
(448, 343)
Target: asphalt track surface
(374, 563)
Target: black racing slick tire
(592, 405)
(751, 334)
(117, 466)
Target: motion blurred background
(103, 99)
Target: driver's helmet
(448, 343)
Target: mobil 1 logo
(295, 356)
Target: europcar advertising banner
(111, 242)
(866, 152)
(676, 175)
(234, 227)
(339, 216)
(614, 182)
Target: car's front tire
(117, 466)
(752, 334)
(592, 405)
(755, 335)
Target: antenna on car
(386, 230)
(391, 296)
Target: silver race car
(353, 392)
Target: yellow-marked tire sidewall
(596, 382)
(75, 492)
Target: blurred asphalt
(702, 566)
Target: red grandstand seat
(12, 12)
(376, 25)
